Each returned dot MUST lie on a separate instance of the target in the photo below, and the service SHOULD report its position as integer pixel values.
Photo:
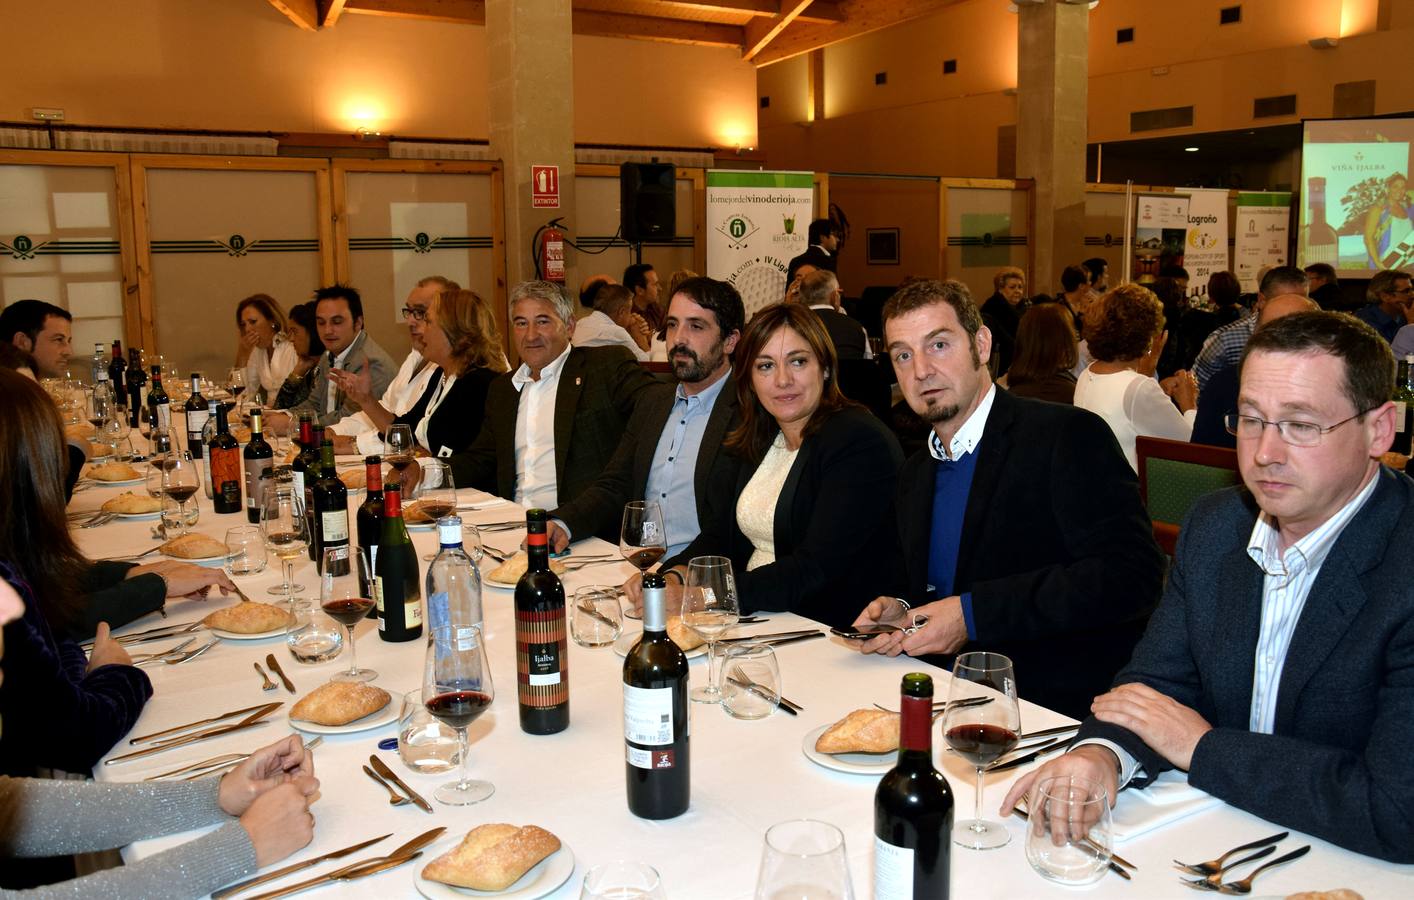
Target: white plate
(625, 643)
(543, 877)
(210, 562)
(423, 526)
(232, 636)
(124, 483)
(851, 763)
(503, 585)
(140, 517)
(388, 715)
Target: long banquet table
(746, 775)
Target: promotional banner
(756, 223)
(1262, 235)
(1207, 237)
(1160, 234)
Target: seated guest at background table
(1219, 396)
(42, 330)
(1325, 288)
(1224, 346)
(270, 793)
(356, 434)
(1127, 337)
(464, 345)
(304, 337)
(642, 280)
(808, 529)
(1020, 517)
(1099, 269)
(671, 451)
(338, 316)
(265, 352)
(1225, 297)
(613, 323)
(1002, 313)
(820, 291)
(793, 286)
(1278, 670)
(1389, 295)
(552, 425)
(1045, 355)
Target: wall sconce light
(1324, 43)
(363, 134)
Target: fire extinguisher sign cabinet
(545, 187)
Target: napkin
(1169, 798)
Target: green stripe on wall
(1264, 198)
(716, 178)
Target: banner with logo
(1160, 234)
(1262, 234)
(756, 223)
(1207, 237)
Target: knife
(235, 712)
(1021, 751)
(275, 667)
(1043, 750)
(1059, 729)
(382, 769)
(754, 688)
(287, 870)
(772, 636)
(251, 721)
(779, 642)
(348, 873)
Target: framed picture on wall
(881, 245)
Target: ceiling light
(1190, 149)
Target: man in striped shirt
(1223, 347)
(1278, 670)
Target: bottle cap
(449, 531)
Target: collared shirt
(537, 485)
(671, 477)
(444, 387)
(1375, 316)
(331, 392)
(598, 330)
(966, 438)
(403, 392)
(1223, 348)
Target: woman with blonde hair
(465, 345)
(265, 349)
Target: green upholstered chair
(1174, 474)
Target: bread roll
(1337, 894)
(354, 479)
(113, 471)
(862, 731)
(339, 703)
(194, 546)
(129, 503)
(509, 572)
(248, 618)
(492, 857)
(79, 431)
(683, 635)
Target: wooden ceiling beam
(329, 12)
(304, 13)
(819, 12)
(461, 12)
(761, 32)
(652, 28)
(861, 17)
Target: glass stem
(464, 783)
(712, 667)
(978, 824)
(289, 566)
(353, 651)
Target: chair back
(1173, 475)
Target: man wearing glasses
(1278, 670)
(357, 433)
(1389, 294)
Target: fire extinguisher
(552, 254)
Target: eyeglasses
(416, 314)
(1403, 290)
(1297, 434)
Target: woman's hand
(106, 650)
(186, 579)
(279, 821)
(269, 767)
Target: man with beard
(671, 449)
(1022, 528)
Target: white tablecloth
(746, 776)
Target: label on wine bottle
(412, 613)
(378, 602)
(298, 483)
(227, 475)
(540, 658)
(893, 871)
(335, 525)
(648, 715)
(1398, 416)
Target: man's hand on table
(1092, 762)
(106, 650)
(1170, 728)
(559, 540)
(186, 579)
(945, 631)
(271, 792)
(672, 597)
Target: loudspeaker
(647, 201)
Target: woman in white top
(1126, 335)
(265, 351)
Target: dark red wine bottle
(913, 808)
(368, 523)
(259, 459)
(397, 585)
(655, 715)
(542, 662)
(331, 508)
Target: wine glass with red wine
(180, 481)
(435, 493)
(643, 541)
(343, 598)
(398, 445)
(981, 733)
(456, 688)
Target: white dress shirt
(402, 394)
(598, 330)
(967, 437)
(268, 370)
(444, 387)
(536, 482)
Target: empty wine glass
(286, 532)
(980, 734)
(456, 688)
(804, 860)
(181, 479)
(621, 878)
(435, 493)
(342, 597)
(398, 445)
(709, 607)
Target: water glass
(804, 860)
(1069, 837)
(425, 743)
(174, 518)
(312, 636)
(622, 879)
(246, 547)
(596, 620)
(751, 681)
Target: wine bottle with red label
(542, 662)
(226, 470)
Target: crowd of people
(1283, 627)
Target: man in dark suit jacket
(1022, 517)
(575, 402)
(1279, 669)
(820, 290)
(824, 241)
(704, 323)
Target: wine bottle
(116, 370)
(312, 474)
(541, 658)
(208, 431)
(159, 404)
(226, 474)
(99, 363)
(368, 523)
(137, 387)
(196, 416)
(453, 583)
(396, 586)
(1404, 407)
(656, 714)
(259, 458)
(306, 456)
(1321, 240)
(913, 808)
(331, 509)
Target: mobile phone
(864, 632)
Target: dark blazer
(457, 420)
(1217, 399)
(1056, 549)
(1337, 766)
(1002, 319)
(814, 255)
(364, 351)
(1057, 387)
(599, 508)
(832, 537)
(847, 335)
(599, 388)
(116, 599)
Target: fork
(100, 519)
(1244, 885)
(394, 798)
(268, 685)
(145, 657)
(191, 654)
(1215, 865)
(1216, 878)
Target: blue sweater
(951, 486)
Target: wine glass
(286, 532)
(456, 688)
(621, 878)
(980, 734)
(642, 539)
(236, 379)
(709, 607)
(804, 859)
(435, 493)
(180, 481)
(342, 597)
(398, 444)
